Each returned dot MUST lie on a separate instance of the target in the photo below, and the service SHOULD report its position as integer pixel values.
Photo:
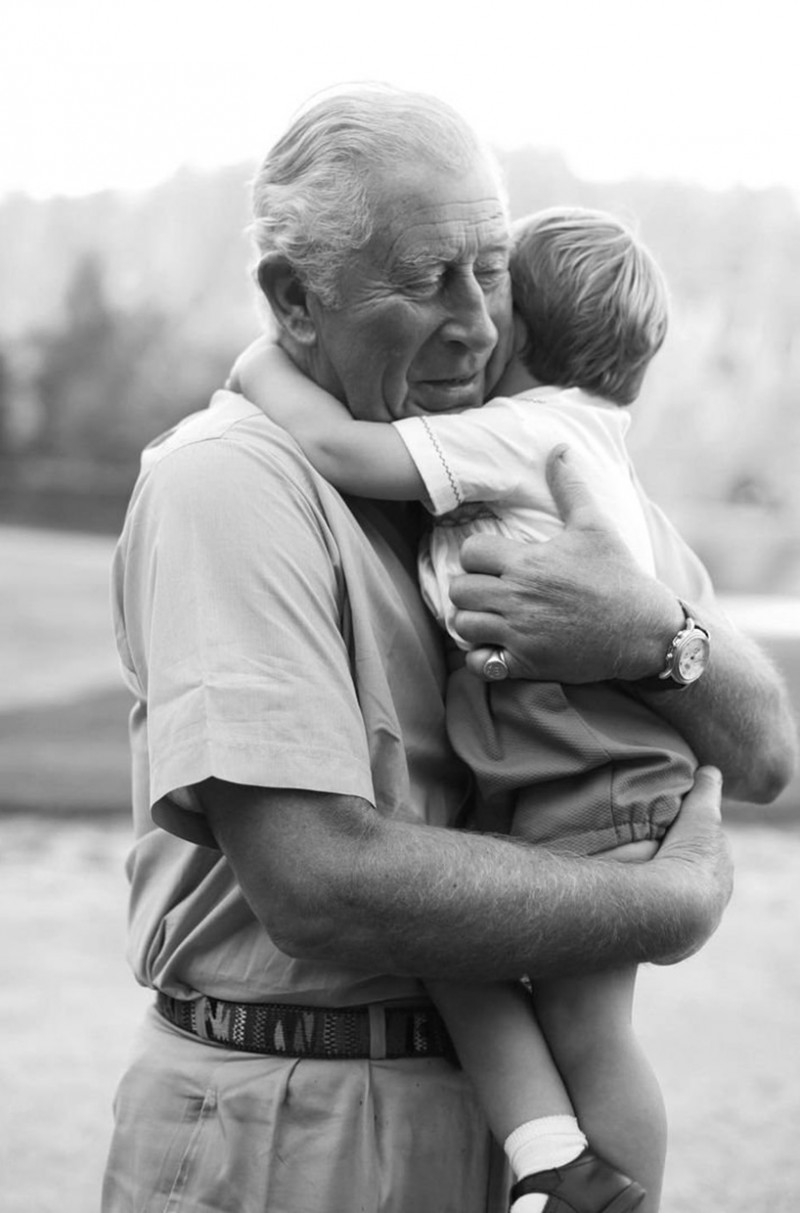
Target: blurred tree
(110, 380)
(5, 405)
(75, 362)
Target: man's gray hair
(311, 196)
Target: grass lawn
(69, 757)
(56, 640)
(723, 1029)
(63, 707)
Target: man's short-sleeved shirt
(273, 635)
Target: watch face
(692, 658)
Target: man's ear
(287, 297)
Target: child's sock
(540, 1145)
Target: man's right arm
(331, 879)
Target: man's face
(424, 303)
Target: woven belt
(373, 1031)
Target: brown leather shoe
(587, 1185)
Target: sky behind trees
(108, 93)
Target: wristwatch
(686, 659)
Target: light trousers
(204, 1129)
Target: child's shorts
(579, 769)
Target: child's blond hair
(592, 299)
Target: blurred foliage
(120, 313)
(104, 379)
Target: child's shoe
(587, 1185)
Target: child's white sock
(540, 1145)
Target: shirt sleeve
(676, 564)
(232, 606)
(478, 455)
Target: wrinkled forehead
(421, 213)
(456, 232)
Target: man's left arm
(739, 712)
(579, 609)
(740, 709)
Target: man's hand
(579, 609)
(695, 854)
(576, 609)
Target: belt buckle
(377, 1031)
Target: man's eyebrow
(414, 258)
(501, 247)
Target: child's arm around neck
(365, 458)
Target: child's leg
(502, 1050)
(587, 1023)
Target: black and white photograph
(393, 819)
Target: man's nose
(469, 321)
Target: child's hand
(234, 381)
(356, 456)
(266, 375)
(254, 364)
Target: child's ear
(287, 297)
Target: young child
(584, 769)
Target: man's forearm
(332, 880)
(553, 916)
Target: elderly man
(295, 876)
